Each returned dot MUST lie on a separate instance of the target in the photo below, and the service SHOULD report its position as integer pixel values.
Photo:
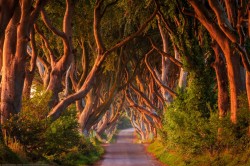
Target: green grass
(7, 156)
(171, 158)
(77, 159)
(159, 151)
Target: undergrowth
(36, 139)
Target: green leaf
(53, 130)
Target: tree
(14, 55)
(59, 67)
(102, 53)
(225, 32)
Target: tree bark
(232, 60)
(14, 56)
(90, 102)
(6, 13)
(165, 62)
(248, 94)
(156, 79)
(102, 54)
(60, 67)
(182, 83)
(30, 70)
(248, 72)
(222, 83)
(104, 122)
(10, 99)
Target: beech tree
(59, 67)
(228, 31)
(102, 53)
(16, 38)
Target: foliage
(16, 147)
(29, 126)
(161, 153)
(44, 140)
(61, 136)
(124, 123)
(7, 156)
(188, 130)
(193, 131)
(85, 153)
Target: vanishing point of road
(126, 153)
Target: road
(126, 153)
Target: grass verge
(171, 158)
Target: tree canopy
(169, 66)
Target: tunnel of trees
(179, 70)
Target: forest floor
(126, 152)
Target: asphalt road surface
(126, 153)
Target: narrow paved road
(126, 153)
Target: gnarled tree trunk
(102, 54)
(60, 67)
(221, 35)
(14, 56)
(165, 63)
(91, 103)
(30, 70)
(222, 83)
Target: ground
(125, 152)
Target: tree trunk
(235, 84)
(14, 56)
(1, 53)
(104, 123)
(60, 67)
(182, 83)
(220, 70)
(44, 71)
(165, 62)
(248, 72)
(232, 60)
(29, 76)
(30, 70)
(90, 101)
(11, 80)
(248, 93)
(102, 54)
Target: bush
(235, 138)
(188, 130)
(30, 125)
(50, 141)
(193, 134)
(85, 153)
(61, 136)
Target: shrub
(50, 141)
(195, 137)
(84, 153)
(61, 136)
(191, 123)
(30, 125)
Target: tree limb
(164, 54)
(170, 91)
